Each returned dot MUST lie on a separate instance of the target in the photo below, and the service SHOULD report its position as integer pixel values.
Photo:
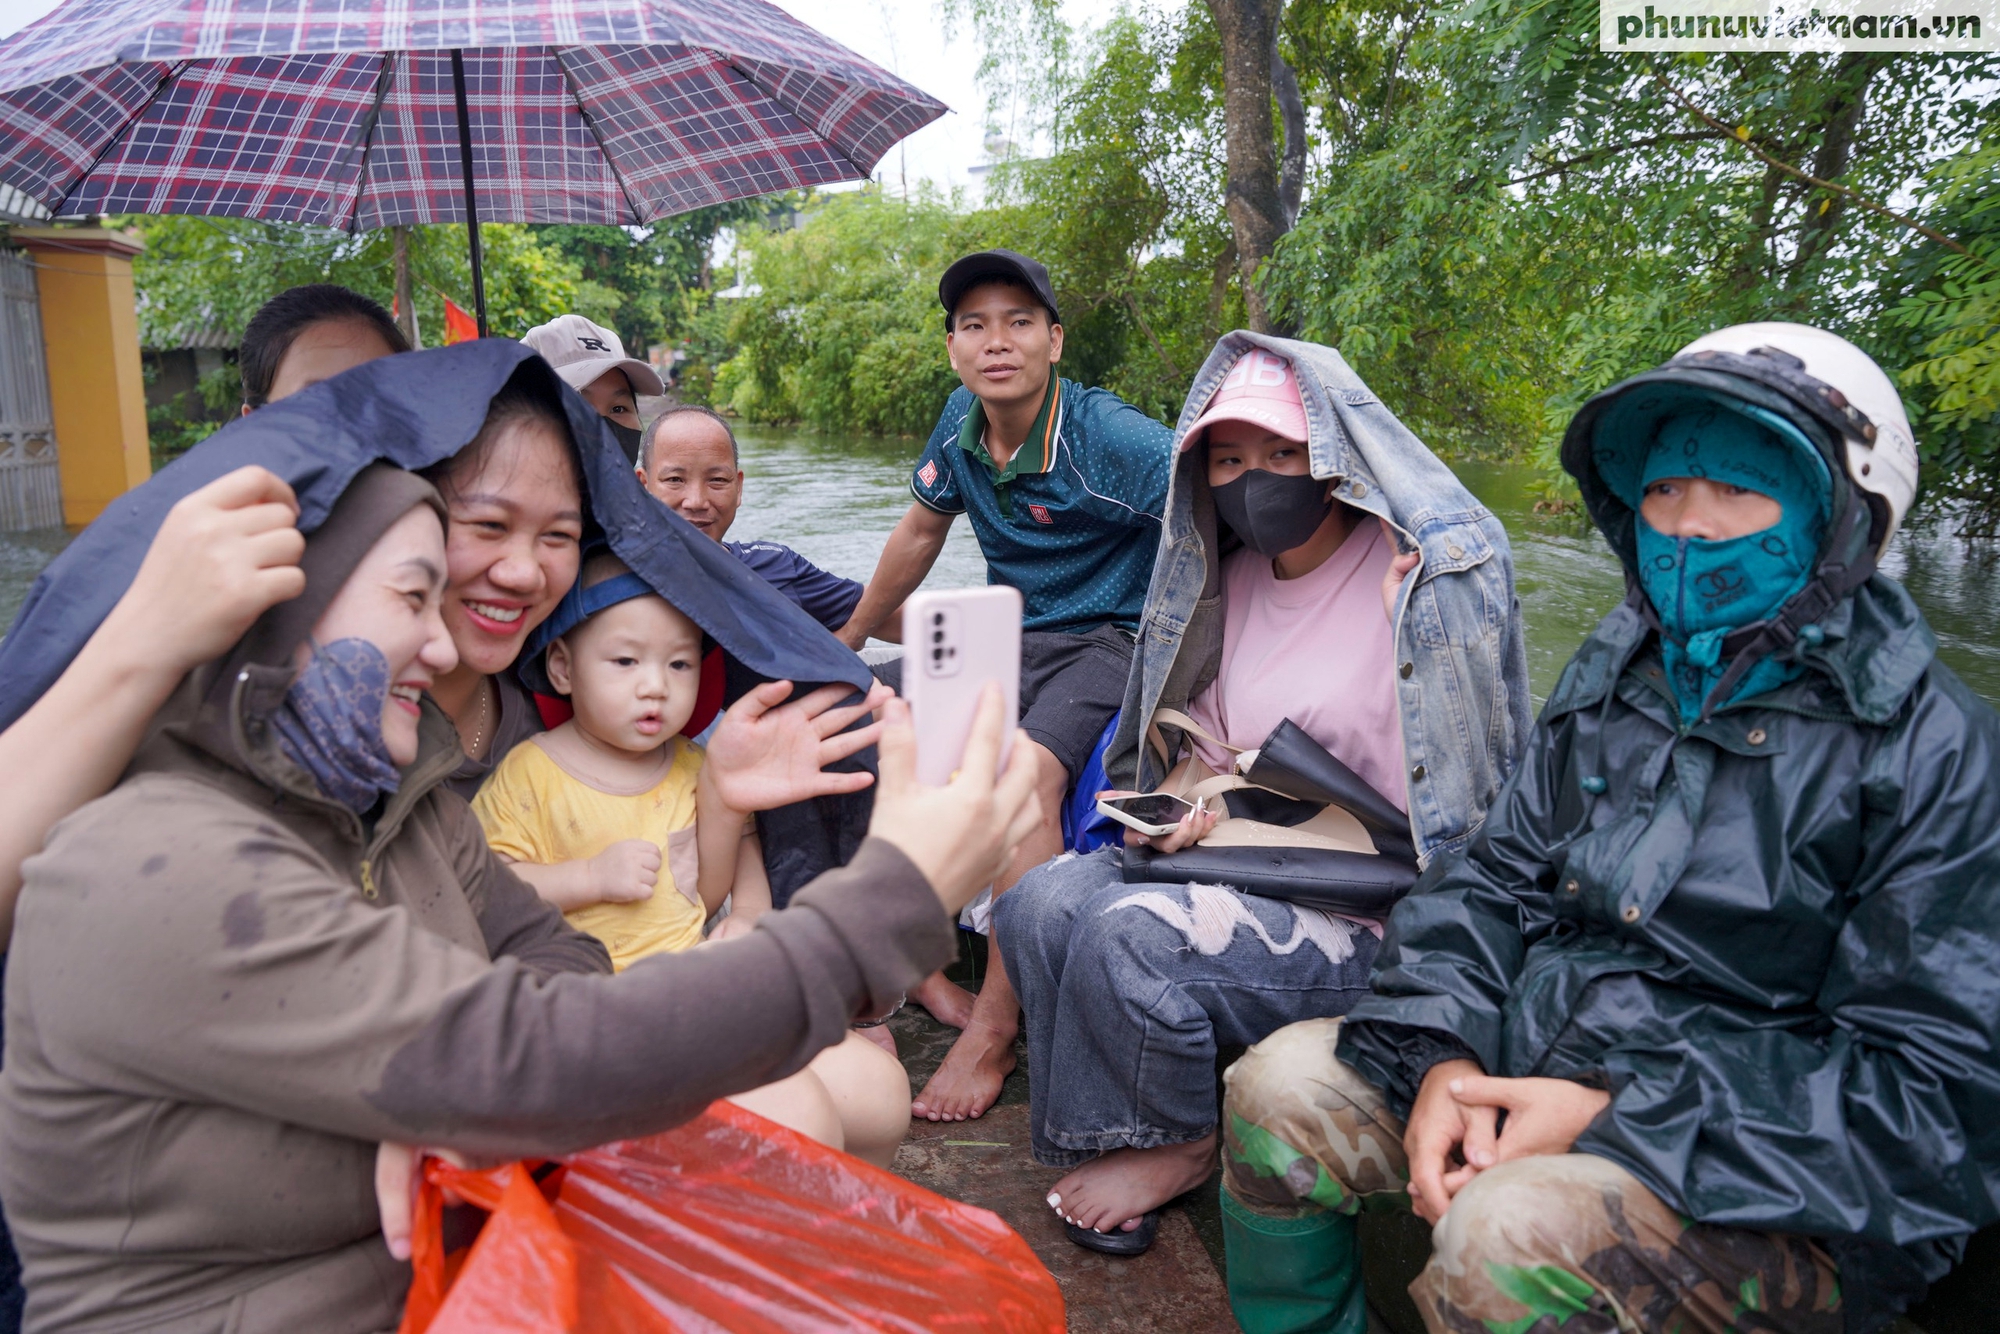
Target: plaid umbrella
(359, 114)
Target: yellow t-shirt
(534, 810)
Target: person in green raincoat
(1702, 1031)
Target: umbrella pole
(471, 202)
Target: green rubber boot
(1293, 1275)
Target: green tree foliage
(1508, 219)
(1949, 315)
(845, 332)
(1126, 209)
(178, 425)
(1499, 220)
(632, 279)
(213, 273)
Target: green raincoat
(1773, 935)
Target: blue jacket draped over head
(414, 410)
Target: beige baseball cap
(581, 351)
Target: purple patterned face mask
(330, 724)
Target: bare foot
(1117, 1190)
(948, 1002)
(969, 1080)
(880, 1035)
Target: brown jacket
(224, 990)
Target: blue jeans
(1129, 989)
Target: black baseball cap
(990, 266)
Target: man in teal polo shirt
(1064, 486)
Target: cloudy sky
(904, 36)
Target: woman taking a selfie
(280, 936)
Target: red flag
(459, 327)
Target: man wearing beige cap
(591, 360)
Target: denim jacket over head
(1461, 662)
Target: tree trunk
(1292, 108)
(406, 305)
(1249, 30)
(1844, 113)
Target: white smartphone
(954, 642)
(1156, 813)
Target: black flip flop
(1118, 1241)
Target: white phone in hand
(955, 642)
(1155, 814)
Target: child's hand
(626, 872)
(766, 753)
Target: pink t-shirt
(1316, 649)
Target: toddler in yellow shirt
(609, 816)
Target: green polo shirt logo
(1035, 455)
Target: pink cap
(1260, 389)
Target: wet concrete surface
(1176, 1286)
(1172, 1287)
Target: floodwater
(835, 498)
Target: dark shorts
(1070, 687)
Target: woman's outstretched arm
(223, 555)
(182, 942)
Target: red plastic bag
(731, 1224)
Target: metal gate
(30, 492)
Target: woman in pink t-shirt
(1129, 989)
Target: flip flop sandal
(1120, 1242)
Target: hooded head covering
(313, 728)
(583, 601)
(414, 410)
(329, 722)
(1271, 512)
(1723, 613)
(1701, 590)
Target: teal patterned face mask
(330, 724)
(1702, 590)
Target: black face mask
(628, 440)
(1272, 513)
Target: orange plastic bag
(729, 1223)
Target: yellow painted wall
(90, 336)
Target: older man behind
(689, 461)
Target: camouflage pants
(1571, 1243)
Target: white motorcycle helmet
(1881, 450)
(1836, 397)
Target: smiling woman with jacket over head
(280, 940)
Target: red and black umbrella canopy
(359, 114)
